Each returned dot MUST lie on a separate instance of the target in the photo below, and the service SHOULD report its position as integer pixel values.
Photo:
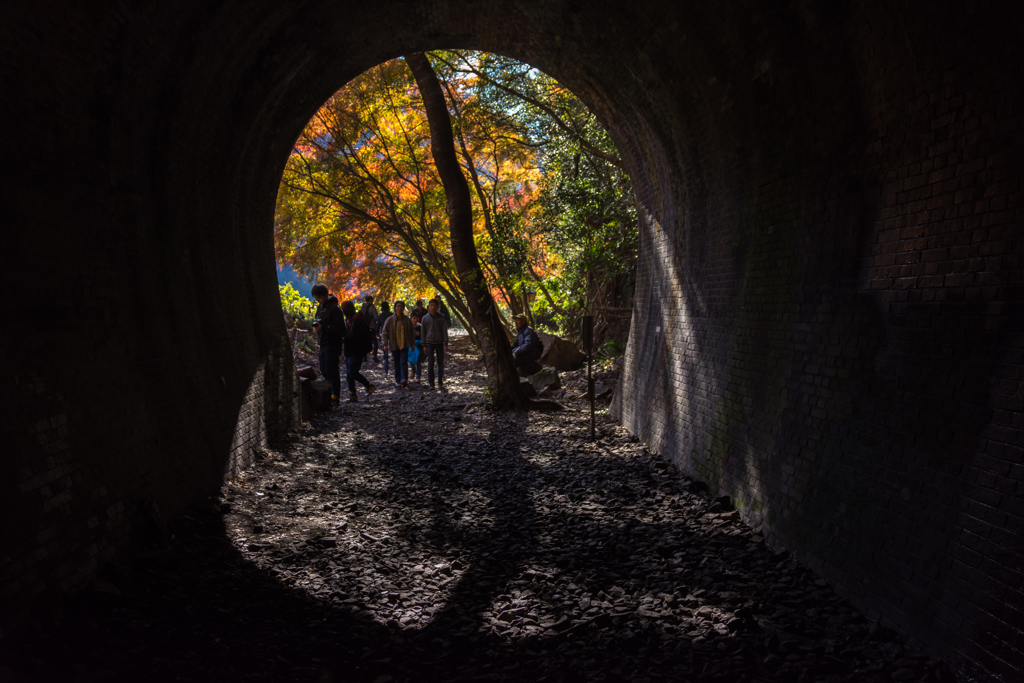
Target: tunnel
(827, 323)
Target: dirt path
(408, 538)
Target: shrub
(296, 305)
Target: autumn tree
(583, 215)
(506, 392)
(360, 203)
(501, 166)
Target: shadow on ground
(402, 539)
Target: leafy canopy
(360, 205)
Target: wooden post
(587, 337)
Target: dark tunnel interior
(827, 324)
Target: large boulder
(545, 380)
(560, 354)
(528, 390)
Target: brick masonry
(828, 312)
(828, 324)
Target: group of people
(406, 339)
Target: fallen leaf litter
(435, 540)
(519, 529)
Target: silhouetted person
(526, 347)
(358, 342)
(419, 310)
(398, 338)
(385, 313)
(442, 309)
(434, 333)
(330, 336)
(416, 352)
(369, 312)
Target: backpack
(369, 312)
(360, 339)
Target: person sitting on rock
(526, 347)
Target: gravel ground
(416, 536)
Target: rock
(697, 486)
(722, 503)
(560, 354)
(306, 371)
(605, 550)
(529, 369)
(545, 380)
(602, 390)
(527, 387)
(320, 395)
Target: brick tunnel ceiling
(827, 317)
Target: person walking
(398, 337)
(416, 352)
(443, 310)
(330, 328)
(369, 312)
(385, 313)
(358, 342)
(434, 333)
(419, 310)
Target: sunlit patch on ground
(416, 537)
(438, 519)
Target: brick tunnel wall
(827, 320)
(829, 324)
(144, 357)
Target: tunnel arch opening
(461, 572)
(360, 207)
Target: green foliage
(360, 205)
(610, 349)
(510, 246)
(583, 213)
(296, 305)
(590, 223)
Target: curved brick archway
(827, 320)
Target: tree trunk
(526, 308)
(482, 307)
